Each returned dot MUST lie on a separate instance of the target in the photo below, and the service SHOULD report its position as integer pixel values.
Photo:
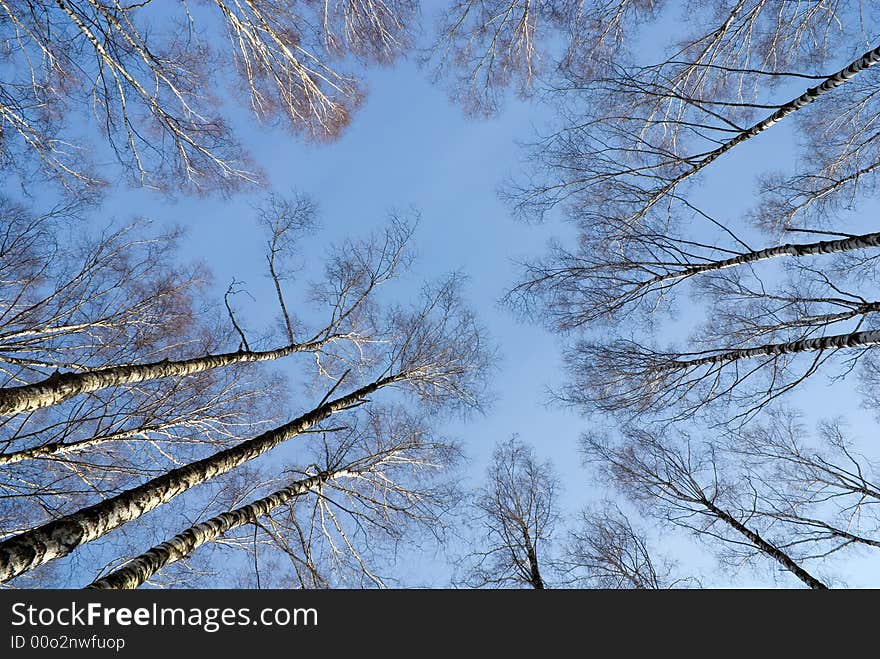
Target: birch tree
(583, 286)
(787, 286)
(518, 511)
(153, 96)
(74, 300)
(434, 349)
(109, 376)
(523, 538)
(635, 131)
(775, 292)
(605, 550)
(377, 478)
(353, 277)
(119, 400)
(805, 499)
(816, 490)
(684, 482)
(757, 346)
(783, 299)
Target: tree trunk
(832, 82)
(60, 448)
(139, 569)
(58, 387)
(865, 241)
(534, 573)
(60, 537)
(866, 61)
(833, 342)
(771, 550)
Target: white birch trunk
(139, 569)
(768, 548)
(866, 61)
(58, 538)
(865, 241)
(58, 387)
(833, 342)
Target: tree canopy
(708, 289)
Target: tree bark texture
(60, 537)
(58, 387)
(139, 569)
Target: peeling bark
(60, 537)
(139, 569)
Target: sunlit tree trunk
(849, 244)
(834, 342)
(139, 569)
(60, 537)
(62, 386)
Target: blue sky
(408, 148)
